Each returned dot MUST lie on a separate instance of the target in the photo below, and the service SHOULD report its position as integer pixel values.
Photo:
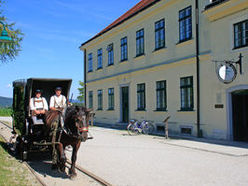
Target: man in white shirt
(58, 101)
(38, 106)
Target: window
(161, 95)
(186, 130)
(159, 34)
(111, 98)
(241, 34)
(99, 58)
(90, 63)
(140, 42)
(90, 99)
(185, 24)
(186, 87)
(110, 50)
(213, 3)
(141, 97)
(124, 49)
(99, 95)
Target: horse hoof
(73, 176)
(72, 173)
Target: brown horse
(74, 131)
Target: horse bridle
(80, 131)
(83, 129)
(85, 126)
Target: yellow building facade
(163, 58)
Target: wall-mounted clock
(226, 73)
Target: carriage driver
(58, 101)
(38, 106)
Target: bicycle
(148, 127)
(135, 127)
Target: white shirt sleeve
(45, 104)
(64, 102)
(52, 101)
(31, 104)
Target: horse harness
(38, 101)
(61, 102)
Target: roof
(139, 7)
(23, 82)
(19, 82)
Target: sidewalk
(151, 160)
(236, 149)
(8, 119)
(230, 148)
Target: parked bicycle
(136, 127)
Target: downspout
(85, 96)
(199, 133)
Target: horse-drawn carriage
(72, 127)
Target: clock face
(227, 73)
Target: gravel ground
(146, 160)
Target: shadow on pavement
(41, 163)
(44, 168)
(5, 147)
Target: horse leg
(54, 127)
(72, 171)
(62, 159)
(54, 158)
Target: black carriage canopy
(24, 90)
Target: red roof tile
(142, 5)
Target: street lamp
(4, 35)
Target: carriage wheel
(22, 148)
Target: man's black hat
(37, 91)
(58, 88)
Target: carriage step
(45, 144)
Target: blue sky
(54, 30)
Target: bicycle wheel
(132, 130)
(148, 128)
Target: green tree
(81, 90)
(9, 50)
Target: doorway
(240, 115)
(125, 104)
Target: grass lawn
(12, 172)
(5, 111)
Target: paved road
(147, 160)
(8, 119)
